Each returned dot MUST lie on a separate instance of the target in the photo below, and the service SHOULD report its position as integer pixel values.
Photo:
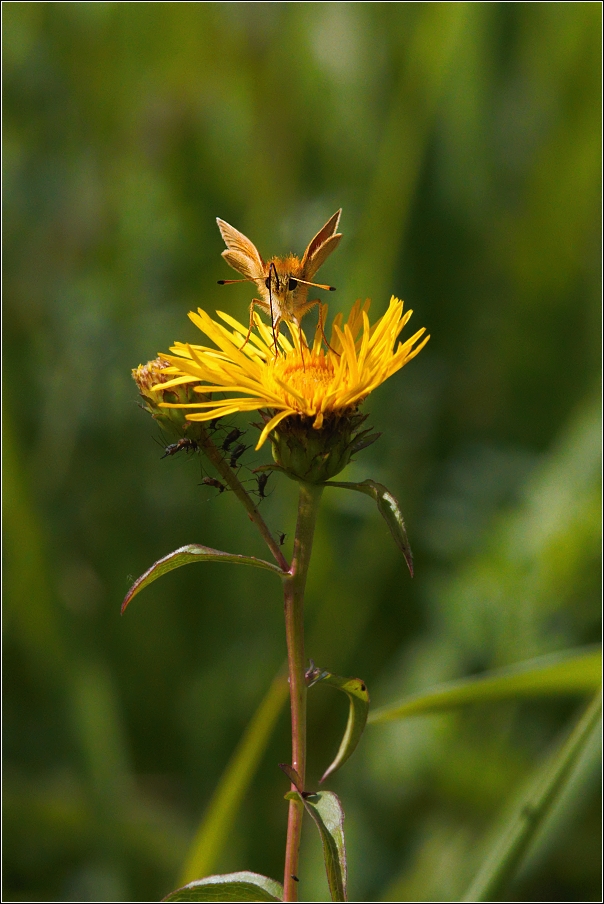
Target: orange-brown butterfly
(283, 282)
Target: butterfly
(283, 282)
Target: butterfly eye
(292, 284)
(272, 271)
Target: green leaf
(389, 508)
(216, 825)
(327, 813)
(192, 553)
(531, 808)
(358, 697)
(569, 672)
(243, 886)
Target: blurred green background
(463, 143)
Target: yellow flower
(298, 380)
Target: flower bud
(315, 456)
(152, 374)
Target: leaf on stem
(243, 886)
(530, 809)
(568, 672)
(326, 811)
(388, 508)
(292, 776)
(358, 697)
(192, 553)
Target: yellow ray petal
(274, 422)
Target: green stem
(229, 476)
(308, 506)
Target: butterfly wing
(321, 246)
(241, 254)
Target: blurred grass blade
(531, 809)
(243, 886)
(184, 556)
(388, 508)
(434, 37)
(97, 720)
(569, 672)
(326, 811)
(358, 697)
(572, 804)
(30, 608)
(218, 819)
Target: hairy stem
(294, 585)
(229, 476)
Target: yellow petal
(274, 422)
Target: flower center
(306, 376)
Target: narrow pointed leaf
(292, 776)
(192, 553)
(389, 508)
(364, 440)
(215, 828)
(531, 808)
(243, 886)
(327, 814)
(569, 672)
(358, 697)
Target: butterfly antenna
(316, 285)
(228, 282)
(272, 269)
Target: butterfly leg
(306, 308)
(322, 315)
(256, 303)
(276, 326)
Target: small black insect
(185, 443)
(212, 482)
(295, 878)
(236, 453)
(282, 539)
(262, 481)
(231, 437)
